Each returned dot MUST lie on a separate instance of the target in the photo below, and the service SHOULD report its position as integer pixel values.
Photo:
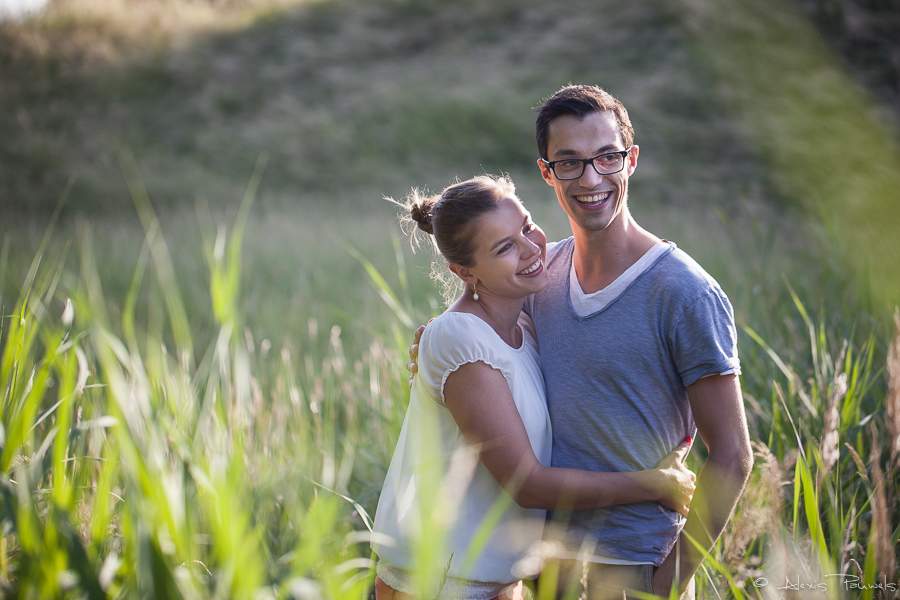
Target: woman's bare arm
(480, 401)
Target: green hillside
(348, 99)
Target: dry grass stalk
(881, 515)
(892, 402)
(760, 507)
(849, 543)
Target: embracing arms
(481, 403)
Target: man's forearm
(719, 486)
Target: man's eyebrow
(499, 242)
(569, 152)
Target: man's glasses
(573, 168)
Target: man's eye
(568, 164)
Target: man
(638, 350)
(638, 346)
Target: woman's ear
(463, 273)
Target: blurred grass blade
(165, 270)
(383, 289)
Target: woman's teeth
(534, 267)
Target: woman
(477, 432)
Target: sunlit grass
(135, 461)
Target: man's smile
(594, 199)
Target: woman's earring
(474, 293)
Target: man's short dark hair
(580, 101)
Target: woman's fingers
(413, 365)
(683, 449)
(677, 456)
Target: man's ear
(546, 173)
(463, 273)
(631, 159)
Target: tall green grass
(821, 506)
(137, 462)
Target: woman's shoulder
(457, 338)
(455, 333)
(451, 327)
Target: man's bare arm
(718, 409)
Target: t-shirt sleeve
(704, 339)
(451, 341)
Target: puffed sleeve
(455, 339)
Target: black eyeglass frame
(585, 162)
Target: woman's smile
(533, 269)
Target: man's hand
(413, 365)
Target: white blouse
(436, 477)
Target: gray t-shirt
(616, 387)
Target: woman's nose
(529, 248)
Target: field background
(264, 341)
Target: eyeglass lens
(605, 164)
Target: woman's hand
(413, 365)
(675, 482)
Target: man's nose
(590, 177)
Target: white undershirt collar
(588, 304)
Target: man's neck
(602, 256)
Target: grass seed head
(831, 432)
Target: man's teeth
(593, 199)
(532, 268)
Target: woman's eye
(529, 227)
